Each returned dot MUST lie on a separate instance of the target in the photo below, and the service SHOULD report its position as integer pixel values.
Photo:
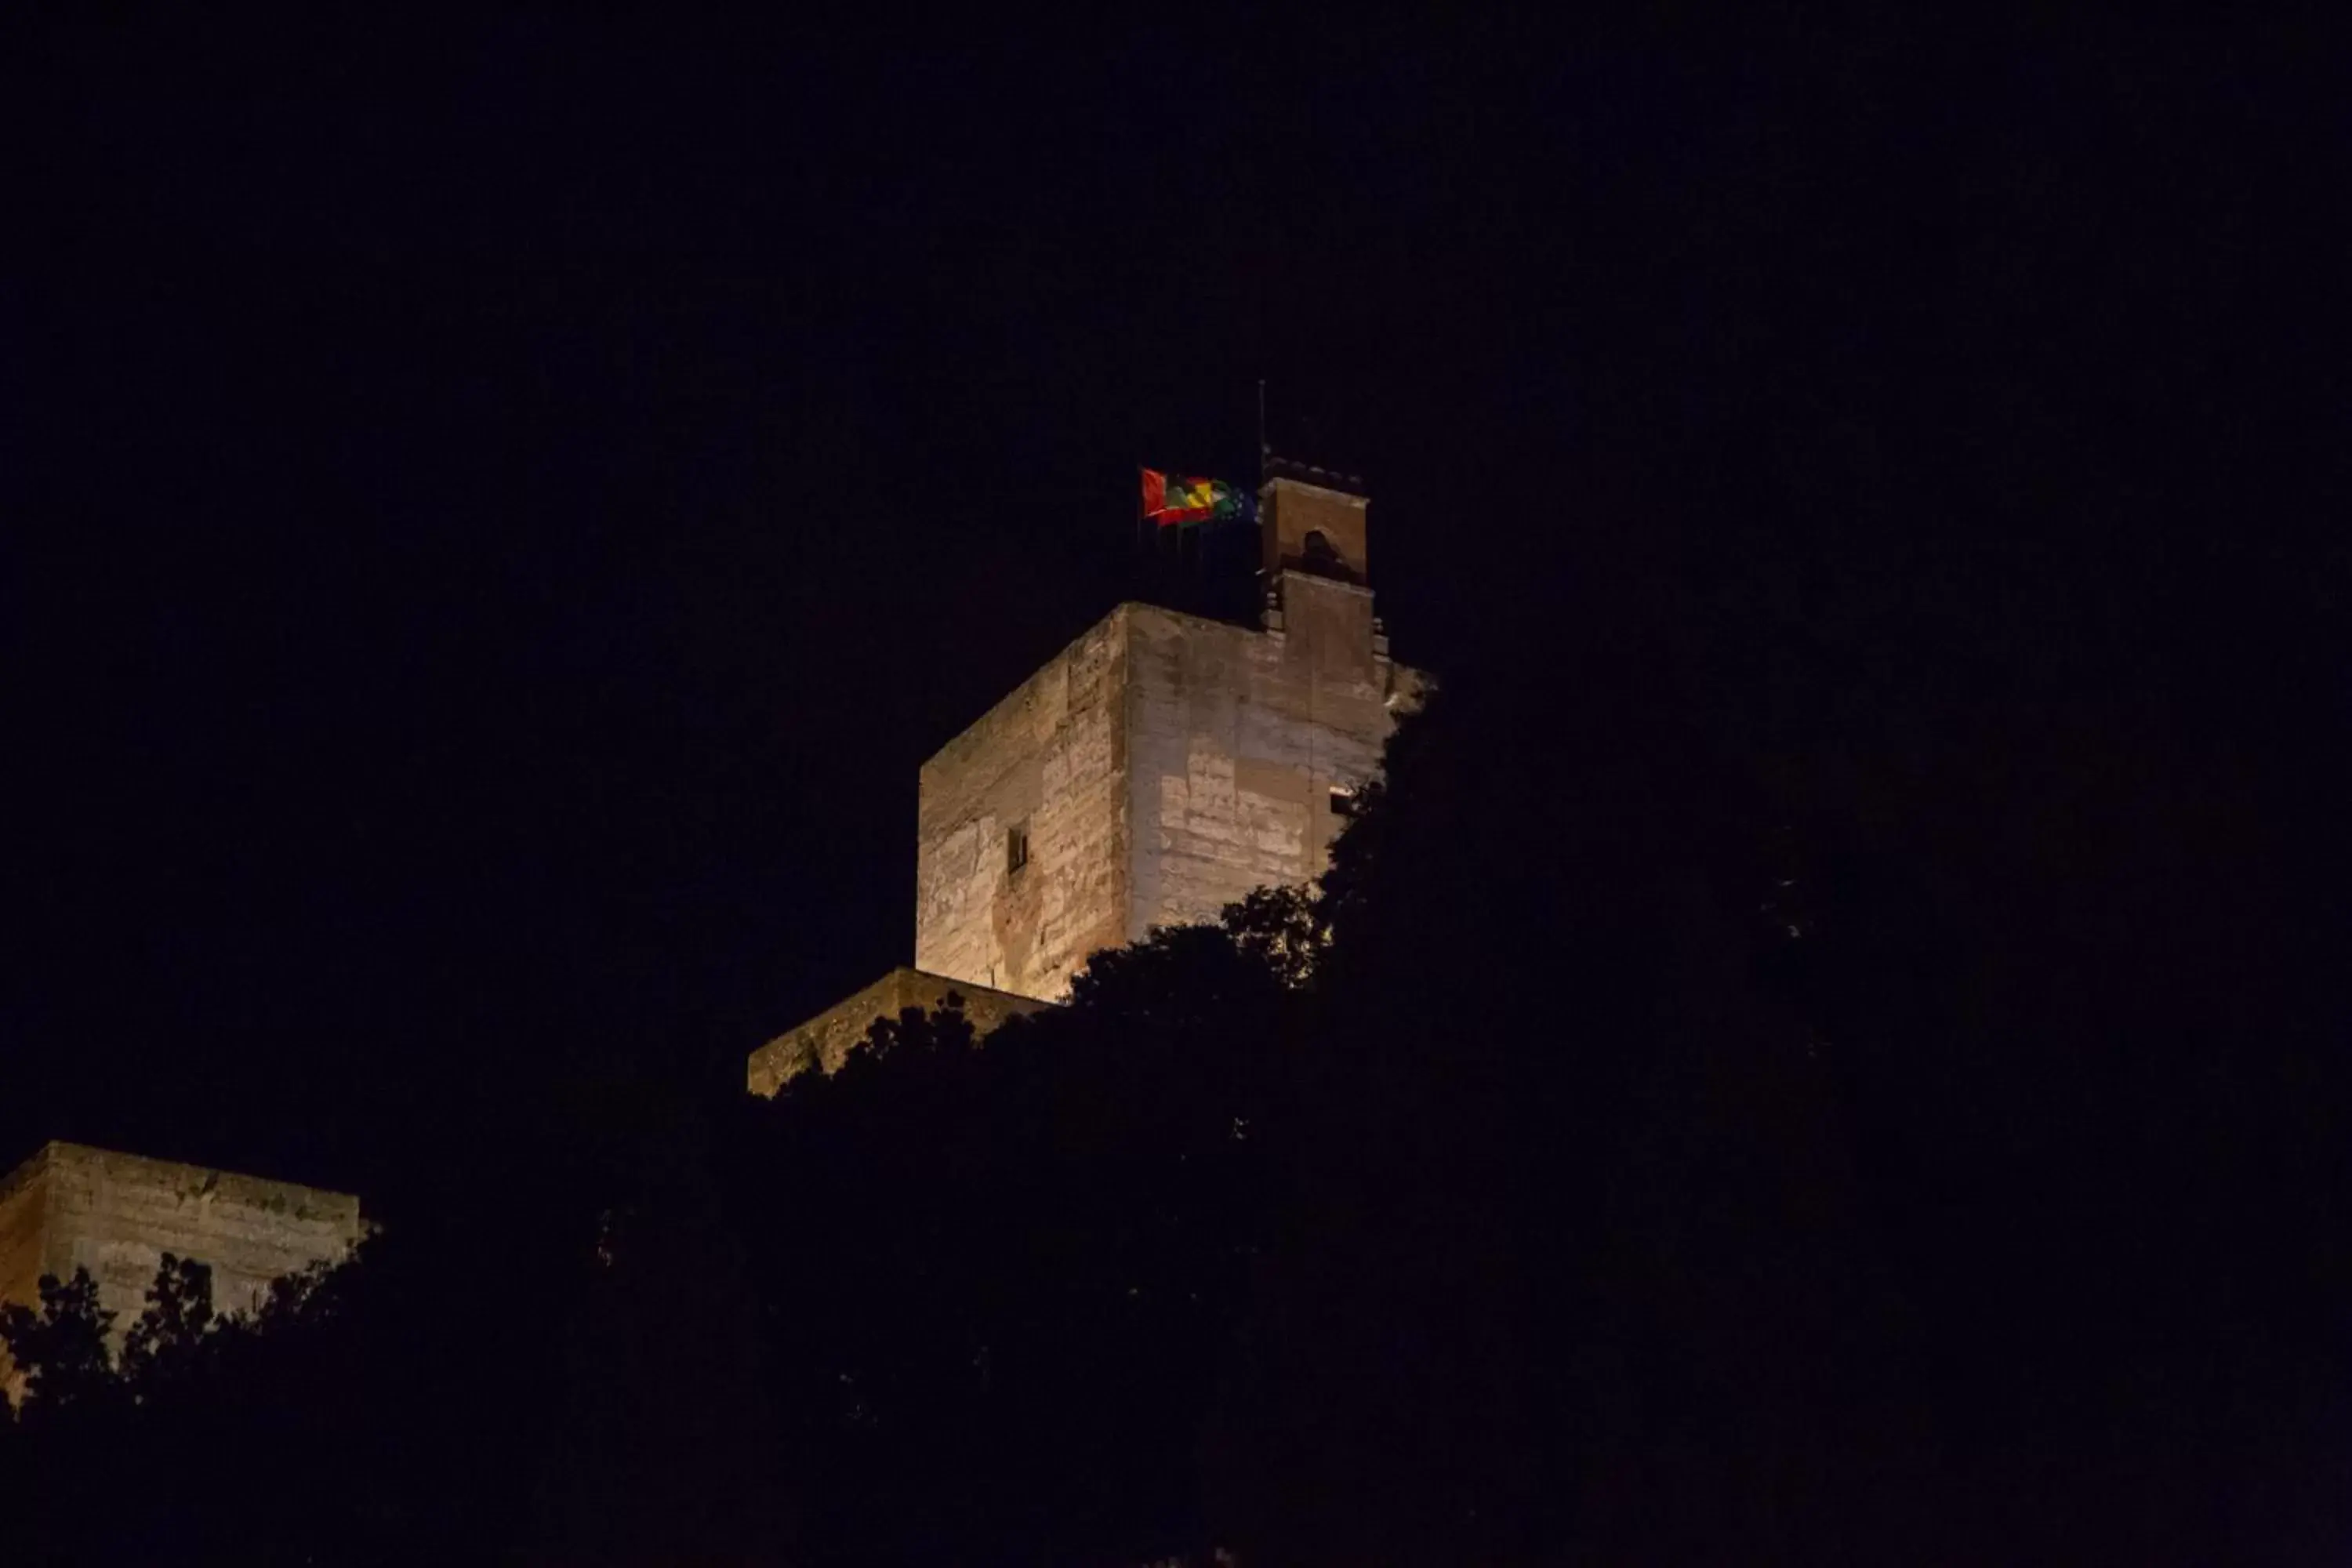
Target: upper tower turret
(1313, 522)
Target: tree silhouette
(60, 1349)
(1566, 1264)
(170, 1334)
(998, 1279)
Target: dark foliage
(362, 1415)
(60, 1349)
(997, 1284)
(171, 1332)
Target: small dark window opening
(1343, 802)
(1017, 849)
(1319, 559)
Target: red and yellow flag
(1172, 500)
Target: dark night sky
(505, 512)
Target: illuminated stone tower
(1157, 769)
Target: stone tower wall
(1162, 766)
(1050, 760)
(1237, 739)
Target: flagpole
(1261, 433)
(1257, 501)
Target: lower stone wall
(823, 1042)
(70, 1207)
(24, 1230)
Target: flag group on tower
(1172, 500)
